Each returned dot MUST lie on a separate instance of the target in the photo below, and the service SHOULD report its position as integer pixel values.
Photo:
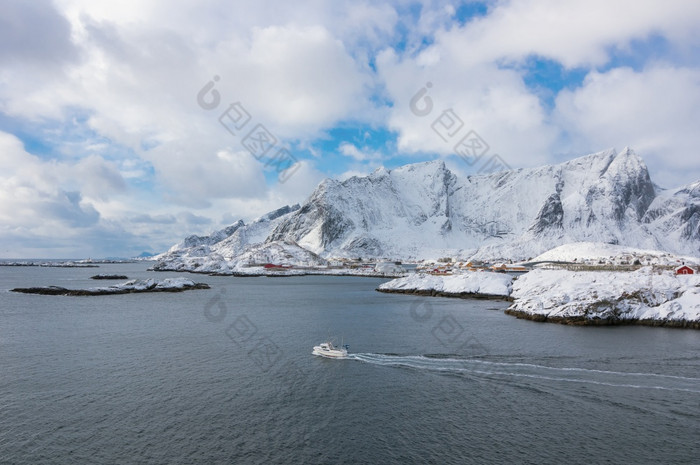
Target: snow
(223, 246)
(468, 282)
(644, 294)
(134, 285)
(581, 251)
(389, 268)
(175, 283)
(424, 210)
(150, 283)
(249, 261)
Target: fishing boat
(327, 349)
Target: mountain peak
(431, 166)
(379, 172)
(629, 162)
(627, 151)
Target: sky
(125, 126)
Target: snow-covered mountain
(237, 245)
(424, 210)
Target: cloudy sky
(127, 125)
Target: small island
(109, 276)
(129, 287)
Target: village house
(685, 269)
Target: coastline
(586, 321)
(259, 272)
(579, 298)
(456, 295)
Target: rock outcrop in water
(109, 276)
(129, 287)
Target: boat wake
(505, 370)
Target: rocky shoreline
(587, 321)
(457, 295)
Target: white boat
(327, 349)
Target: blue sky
(107, 151)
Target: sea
(226, 376)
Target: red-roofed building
(685, 269)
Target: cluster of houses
(448, 268)
(383, 267)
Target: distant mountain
(145, 255)
(424, 210)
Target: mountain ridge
(424, 210)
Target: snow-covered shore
(485, 285)
(644, 296)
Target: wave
(505, 370)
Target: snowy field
(483, 283)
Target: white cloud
(139, 79)
(473, 70)
(194, 175)
(299, 79)
(295, 189)
(493, 102)
(656, 111)
(364, 154)
(41, 199)
(575, 32)
(302, 180)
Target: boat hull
(333, 353)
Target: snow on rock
(476, 283)
(250, 260)
(425, 210)
(132, 286)
(218, 251)
(280, 253)
(171, 283)
(141, 285)
(607, 297)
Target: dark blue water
(226, 375)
